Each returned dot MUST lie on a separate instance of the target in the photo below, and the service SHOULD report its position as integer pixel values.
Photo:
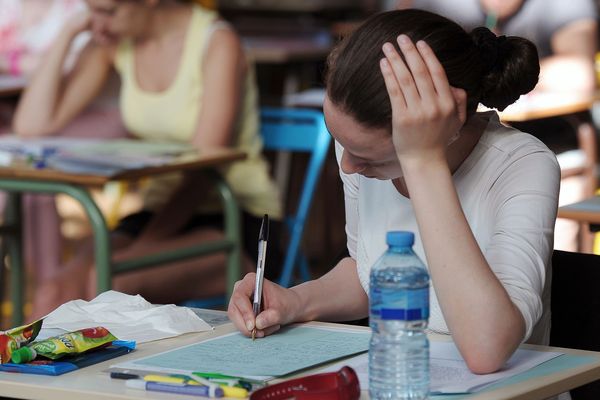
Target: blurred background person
(184, 78)
(28, 29)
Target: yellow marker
(169, 379)
(232, 391)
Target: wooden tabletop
(584, 211)
(545, 105)
(285, 49)
(93, 383)
(188, 162)
(11, 85)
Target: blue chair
(297, 130)
(294, 130)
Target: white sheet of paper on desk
(449, 372)
(127, 317)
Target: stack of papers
(127, 317)
(449, 372)
(91, 156)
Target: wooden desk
(586, 211)
(547, 105)
(273, 50)
(18, 180)
(11, 85)
(92, 383)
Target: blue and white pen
(263, 237)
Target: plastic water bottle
(399, 310)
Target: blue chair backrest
(298, 130)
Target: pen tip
(264, 228)
(253, 334)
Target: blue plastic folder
(68, 364)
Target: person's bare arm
(51, 100)
(485, 324)
(224, 75)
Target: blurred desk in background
(586, 211)
(20, 179)
(546, 105)
(280, 50)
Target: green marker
(241, 382)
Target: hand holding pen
(263, 238)
(259, 307)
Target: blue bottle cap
(400, 238)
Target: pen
(263, 237)
(124, 375)
(192, 390)
(214, 388)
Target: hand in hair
(426, 111)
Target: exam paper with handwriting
(449, 372)
(291, 349)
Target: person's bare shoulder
(224, 44)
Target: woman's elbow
(489, 354)
(484, 362)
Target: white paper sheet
(127, 317)
(449, 372)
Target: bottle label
(403, 305)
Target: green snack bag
(70, 343)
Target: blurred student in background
(565, 34)
(27, 30)
(184, 78)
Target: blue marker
(192, 390)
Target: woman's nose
(351, 165)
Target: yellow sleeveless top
(173, 115)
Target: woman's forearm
(37, 108)
(336, 296)
(485, 324)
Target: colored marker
(193, 390)
(124, 375)
(243, 382)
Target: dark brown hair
(494, 71)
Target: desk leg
(12, 231)
(102, 246)
(233, 229)
(13, 238)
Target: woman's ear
(460, 97)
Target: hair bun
(509, 66)
(491, 47)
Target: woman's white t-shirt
(508, 188)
